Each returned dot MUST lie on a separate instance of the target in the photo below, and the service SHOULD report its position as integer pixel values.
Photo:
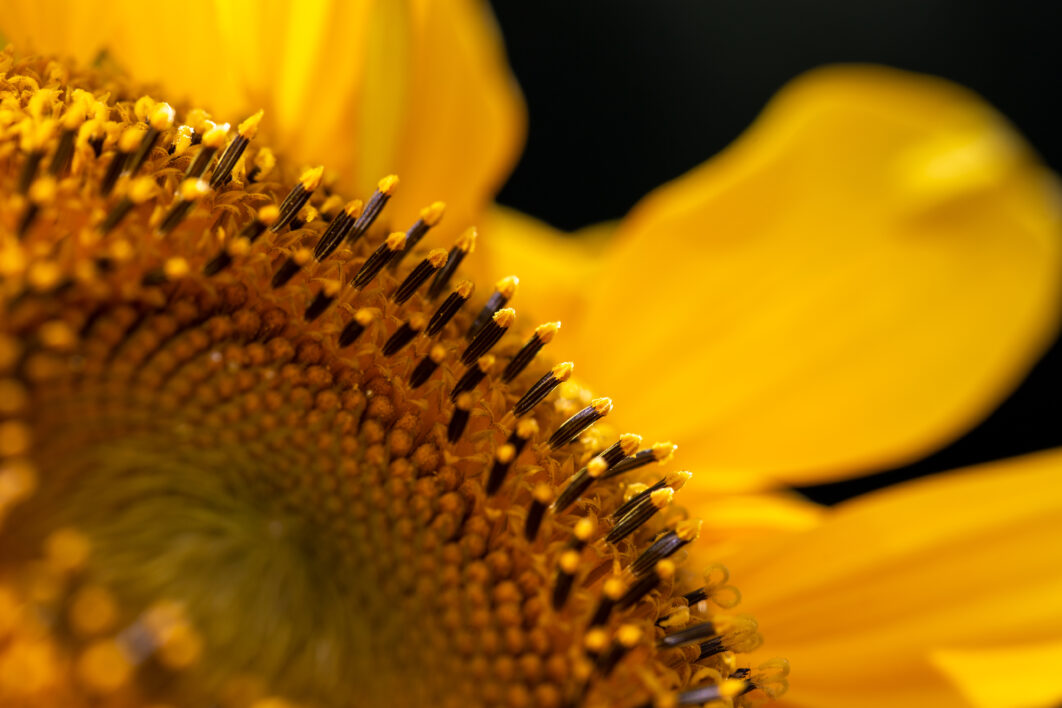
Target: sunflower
(252, 453)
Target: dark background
(631, 93)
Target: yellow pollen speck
(505, 454)
(596, 467)
(365, 316)
(433, 213)
(331, 286)
(249, 128)
(388, 184)
(665, 569)
(542, 493)
(563, 371)
(269, 214)
(176, 268)
(584, 528)
(43, 190)
(437, 353)
(527, 428)
(141, 189)
(418, 322)
(731, 688)
(57, 335)
(485, 363)
(311, 178)
(302, 256)
(596, 640)
(464, 401)
(629, 635)
(504, 317)
(192, 189)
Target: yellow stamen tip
(678, 478)
(689, 529)
(629, 443)
(249, 128)
(527, 428)
(507, 286)
(466, 242)
(732, 688)
(662, 497)
(433, 213)
(437, 257)
(563, 371)
(465, 288)
(192, 189)
(215, 136)
(602, 405)
(504, 317)
(546, 332)
(629, 635)
(437, 353)
(311, 178)
(43, 190)
(584, 529)
(162, 116)
(485, 362)
(269, 214)
(596, 467)
(396, 241)
(464, 401)
(663, 452)
(364, 316)
(505, 454)
(388, 184)
(141, 189)
(130, 138)
(353, 208)
(543, 493)
(176, 268)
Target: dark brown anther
(709, 693)
(504, 290)
(29, 170)
(161, 119)
(642, 512)
(265, 218)
(489, 335)
(404, 335)
(675, 480)
(459, 418)
(543, 387)
(666, 546)
(127, 143)
(64, 151)
(423, 270)
(429, 217)
(297, 197)
(543, 335)
(190, 191)
(379, 258)
(465, 244)
(472, 376)
(427, 366)
(450, 307)
(384, 189)
(597, 468)
(571, 429)
(660, 452)
(627, 637)
(664, 570)
(29, 215)
(245, 133)
(288, 270)
(711, 647)
(689, 635)
(321, 301)
(612, 591)
(337, 230)
(541, 497)
(362, 319)
(503, 458)
(562, 584)
(211, 141)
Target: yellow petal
(365, 87)
(882, 603)
(856, 281)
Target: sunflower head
(257, 452)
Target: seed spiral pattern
(257, 452)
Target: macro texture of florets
(258, 449)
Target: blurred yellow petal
(731, 521)
(880, 604)
(979, 673)
(856, 281)
(368, 87)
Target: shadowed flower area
(268, 438)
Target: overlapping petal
(366, 87)
(929, 593)
(857, 280)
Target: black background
(628, 94)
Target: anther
(190, 191)
(489, 335)
(664, 570)
(473, 376)
(264, 162)
(211, 143)
(324, 297)
(35, 137)
(612, 591)
(450, 307)
(423, 270)
(171, 271)
(572, 428)
(504, 290)
(161, 119)
(265, 218)
(674, 479)
(362, 319)
(245, 133)
(627, 637)
(429, 217)
(690, 635)
(427, 366)
(524, 431)
(140, 190)
(465, 244)
(642, 512)
(64, 151)
(579, 483)
(181, 142)
(562, 584)
(127, 144)
(660, 452)
(383, 254)
(543, 387)
(728, 689)
(541, 496)
(404, 335)
(42, 191)
(384, 189)
(297, 197)
(459, 418)
(667, 545)
(543, 335)
(337, 230)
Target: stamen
(489, 335)
(379, 258)
(562, 585)
(297, 197)
(127, 144)
(264, 162)
(459, 418)
(424, 270)
(190, 191)
(542, 388)
(728, 689)
(384, 189)
(324, 297)
(627, 637)
(642, 512)
(427, 366)
(473, 376)
(612, 591)
(245, 133)
(543, 335)
(524, 431)
(35, 137)
(404, 335)
(266, 217)
(140, 190)
(660, 452)
(450, 306)
(64, 151)
(667, 545)
(541, 496)
(212, 142)
(664, 570)
(429, 217)
(161, 119)
(465, 244)
(571, 429)
(675, 480)
(362, 319)
(595, 469)
(43, 191)
(504, 290)
(690, 635)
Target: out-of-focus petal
(857, 280)
(364, 87)
(879, 604)
(978, 674)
